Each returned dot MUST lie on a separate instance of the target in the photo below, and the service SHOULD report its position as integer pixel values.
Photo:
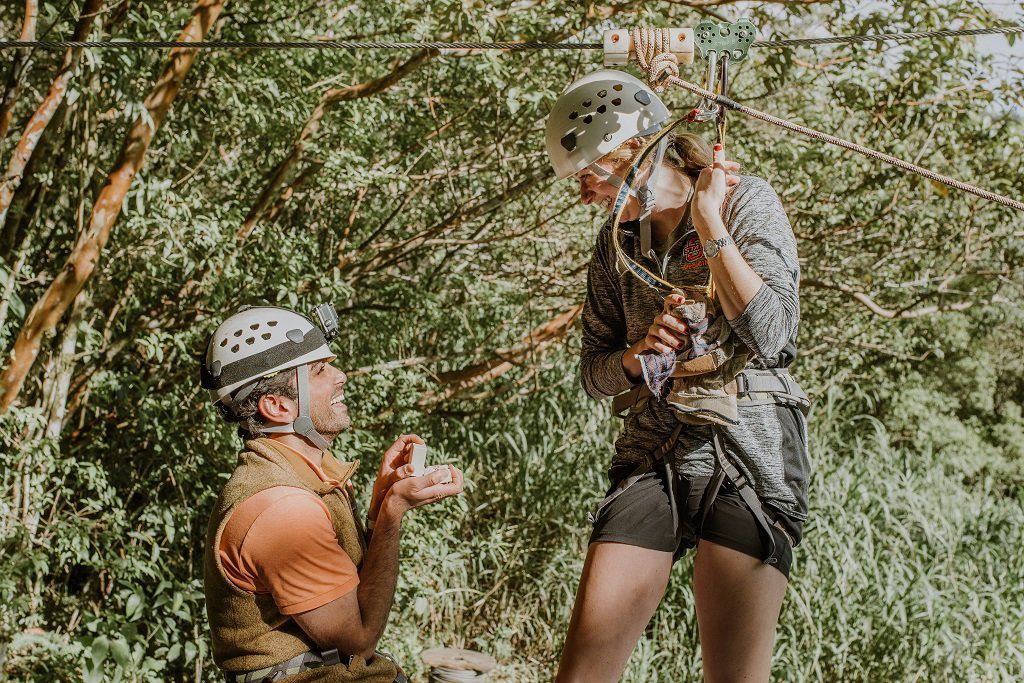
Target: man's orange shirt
(281, 541)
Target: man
(293, 582)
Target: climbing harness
(305, 661)
(751, 387)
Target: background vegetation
(412, 190)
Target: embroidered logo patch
(693, 254)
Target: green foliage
(912, 563)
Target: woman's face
(596, 190)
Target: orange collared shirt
(281, 541)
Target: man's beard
(328, 423)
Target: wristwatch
(712, 247)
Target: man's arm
(354, 622)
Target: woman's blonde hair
(686, 152)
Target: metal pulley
(720, 43)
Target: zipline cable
(508, 46)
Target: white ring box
(420, 467)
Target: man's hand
(413, 492)
(394, 466)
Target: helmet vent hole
(617, 101)
(250, 341)
(587, 103)
(272, 323)
(573, 116)
(602, 109)
(602, 93)
(234, 349)
(224, 342)
(254, 326)
(265, 336)
(588, 118)
(238, 333)
(617, 87)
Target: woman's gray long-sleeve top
(620, 309)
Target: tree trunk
(19, 66)
(82, 261)
(501, 361)
(44, 114)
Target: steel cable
(508, 46)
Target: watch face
(711, 248)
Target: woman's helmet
(594, 116)
(258, 342)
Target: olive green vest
(249, 633)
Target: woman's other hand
(709, 193)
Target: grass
(905, 573)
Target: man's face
(326, 399)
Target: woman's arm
(757, 277)
(604, 327)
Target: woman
(702, 221)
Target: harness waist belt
(751, 387)
(303, 661)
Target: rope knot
(653, 52)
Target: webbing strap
(641, 469)
(746, 491)
(303, 424)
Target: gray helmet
(258, 342)
(594, 116)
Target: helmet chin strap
(303, 424)
(644, 194)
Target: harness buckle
(742, 385)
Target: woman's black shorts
(642, 516)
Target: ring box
(420, 467)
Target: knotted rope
(654, 53)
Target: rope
(653, 52)
(443, 674)
(846, 144)
(508, 46)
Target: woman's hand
(666, 333)
(709, 193)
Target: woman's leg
(738, 600)
(620, 588)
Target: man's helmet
(596, 114)
(258, 342)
